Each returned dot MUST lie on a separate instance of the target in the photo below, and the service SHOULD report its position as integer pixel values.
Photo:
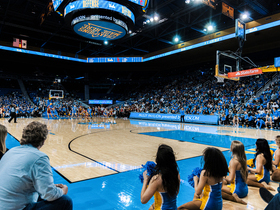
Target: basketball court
(101, 160)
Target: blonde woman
(235, 186)
(276, 161)
(3, 135)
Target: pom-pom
(195, 172)
(273, 150)
(250, 163)
(150, 167)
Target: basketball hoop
(220, 79)
(56, 94)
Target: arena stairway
(23, 90)
(261, 89)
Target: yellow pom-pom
(250, 163)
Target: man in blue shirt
(182, 112)
(26, 174)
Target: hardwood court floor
(81, 150)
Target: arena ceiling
(23, 19)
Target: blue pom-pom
(150, 167)
(141, 178)
(273, 149)
(195, 172)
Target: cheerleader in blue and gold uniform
(238, 174)
(276, 162)
(164, 201)
(164, 184)
(263, 164)
(208, 187)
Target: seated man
(273, 201)
(26, 174)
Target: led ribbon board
(115, 60)
(139, 2)
(99, 4)
(146, 5)
(100, 101)
(56, 4)
(31, 52)
(99, 19)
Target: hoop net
(220, 79)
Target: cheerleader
(208, 187)
(111, 112)
(269, 121)
(260, 176)
(235, 120)
(276, 161)
(238, 174)
(89, 111)
(1, 112)
(164, 184)
(105, 113)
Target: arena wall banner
(200, 119)
(245, 73)
(174, 126)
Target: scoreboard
(240, 30)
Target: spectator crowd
(233, 101)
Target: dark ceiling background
(22, 19)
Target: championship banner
(228, 10)
(277, 62)
(245, 73)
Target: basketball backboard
(56, 94)
(226, 62)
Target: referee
(13, 113)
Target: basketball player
(49, 112)
(80, 110)
(74, 111)
(89, 112)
